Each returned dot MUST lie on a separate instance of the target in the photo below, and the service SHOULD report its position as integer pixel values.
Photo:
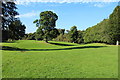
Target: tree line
(107, 31)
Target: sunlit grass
(37, 59)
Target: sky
(80, 13)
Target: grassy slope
(69, 60)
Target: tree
(16, 30)
(114, 27)
(47, 23)
(73, 34)
(8, 15)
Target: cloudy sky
(81, 13)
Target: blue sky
(80, 14)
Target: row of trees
(73, 35)
(107, 31)
(39, 34)
(47, 31)
(12, 28)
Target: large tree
(8, 16)
(47, 23)
(12, 28)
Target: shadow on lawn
(12, 48)
(10, 41)
(19, 49)
(60, 44)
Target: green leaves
(114, 27)
(46, 25)
(73, 34)
(35, 21)
(12, 27)
(16, 30)
(107, 31)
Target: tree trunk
(46, 40)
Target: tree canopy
(107, 31)
(12, 27)
(73, 34)
(46, 24)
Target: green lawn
(37, 59)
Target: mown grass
(37, 59)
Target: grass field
(37, 59)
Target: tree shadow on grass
(13, 48)
(71, 48)
(9, 41)
(61, 44)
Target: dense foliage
(16, 30)
(107, 31)
(80, 37)
(12, 27)
(63, 37)
(114, 28)
(73, 34)
(97, 33)
(46, 25)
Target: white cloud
(30, 14)
(99, 4)
(62, 1)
